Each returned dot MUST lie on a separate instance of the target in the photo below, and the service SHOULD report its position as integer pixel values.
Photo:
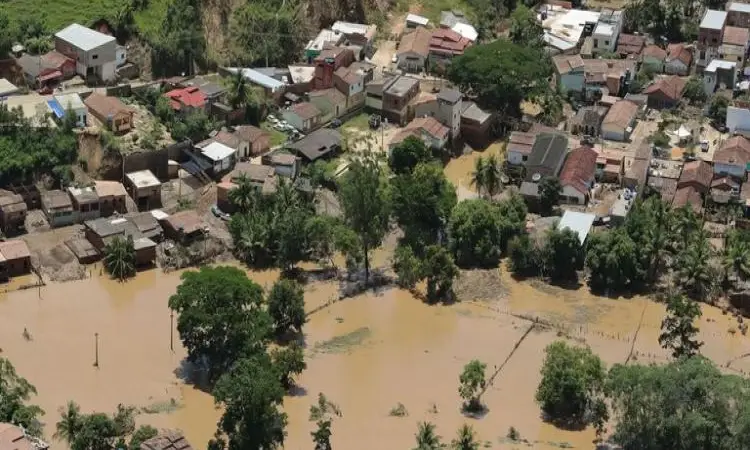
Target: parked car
(271, 118)
(374, 121)
(335, 123)
(219, 213)
(394, 60)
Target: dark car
(335, 123)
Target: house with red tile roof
(688, 196)
(697, 174)
(734, 44)
(733, 157)
(184, 99)
(652, 58)
(303, 116)
(577, 175)
(665, 92)
(433, 133)
(445, 44)
(630, 45)
(678, 60)
(414, 49)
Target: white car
(394, 60)
(271, 118)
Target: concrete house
(351, 82)
(449, 110)
(719, 73)
(112, 197)
(413, 50)
(219, 157)
(330, 102)
(85, 203)
(666, 92)
(184, 226)
(433, 133)
(738, 117)
(325, 38)
(545, 160)
(284, 164)
(414, 21)
(696, 174)
(519, 147)
(58, 208)
(476, 125)
(652, 58)
(167, 440)
(734, 44)
(733, 157)
(252, 141)
(446, 44)
(357, 34)
(144, 189)
(46, 70)
(303, 116)
(15, 258)
(322, 143)
(60, 105)
(678, 60)
(187, 99)
(327, 63)
(570, 73)
(607, 31)
(577, 175)
(630, 45)
(710, 36)
(619, 121)
(13, 212)
(111, 112)
(397, 96)
(588, 120)
(94, 52)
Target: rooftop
(420, 20)
(578, 222)
(654, 51)
(670, 87)
(305, 110)
(733, 151)
(429, 125)
(521, 142)
(259, 78)
(13, 437)
(249, 133)
(317, 144)
(72, 101)
(418, 41)
(167, 440)
(697, 171)
(256, 173)
(401, 85)
(301, 74)
(450, 18)
(713, 19)
(688, 196)
(736, 36)
(56, 200)
(604, 29)
(84, 194)
(216, 151)
(563, 27)
(84, 38)
(324, 37)
(107, 226)
(105, 106)
(579, 169)
(548, 152)
(187, 222)
(448, 41)
(190, 96)
(10, 202)
(143, 178)
(109, 188)
(466, 30)
(621, 114)
(449, 95)
(716, 64)
(567, 63)
(473, 112)
(14, 249)
(679, 52)
(354, 28)
(738, 7)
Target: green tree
(405, 156)
(687, 404)
(694, 91)
(524, 256)
(475, 233)
(612, 260)
(98, 432)
(291, 239)
(427, 438)
(251, 394)
(472, 384)
(194, 125)
(696, 275)
(422, 203)
(649, 226)
(70, 423)
(407, 266)
(572, 381)
(736, 257)
(717, 110)
(289, 361)
(321, 237)
(15, 392)
(440, 270)
(252, 236)
(119, 257)
(6, 35)
(466, 439)
(364, 200)
(221, 317)
(500, 74)
(479, 174)
(678, 330)
(562, 254)
(322, 436)
(266, 33)
(286, 305)
(549, 193)
(179, 43)
(491, 176)
(525, 29)
(141, 435)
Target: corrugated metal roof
(258, 78)
(84, 38)
(713, 19)
(579, 222)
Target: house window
(95, 57)
(524, 158)
(606, 43)
(703, 54)
(739, 59)
(596, 43)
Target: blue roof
(56, 108)
(260, 79)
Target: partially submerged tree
(221, 317)
(473, 383)
(571, 386)
(286, 305)
(289, 361)
(440, 271)
(678, 330)
(427, 438)
(466, 439)
(15, 392)
(405, 156)
(119, 257)
(407, 266)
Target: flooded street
(367, 354)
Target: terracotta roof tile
(418, 41)
(734, 151)
(305, 110)
(736, 36)
(688, 195)
(655, 51)
(566, 63)
(579, 169)
(697, 171)
(621, 114)
(670, 87)
(679, 52)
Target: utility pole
(96, 350)
(171, 330)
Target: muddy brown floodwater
(367, 354)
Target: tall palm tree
(478, 175)
(70, 423)
(239, 90)
(658, 237)
(492, 176)
(736, 259)
(244, 196)
(695, 270)
(466, 439)
(119, 257)
(427, 439)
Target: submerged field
(368, 354)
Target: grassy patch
(150, 19)
(277, 137)
(161, 407)
(344, 342)
(432, 8)
(360, 122)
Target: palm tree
(239, 90)
(119, 257)
(244, 196)
(427, 439)
(70, 423)
(657, 237)
(478, 176)
(736, 260)
(466, 439)
(491, 176)
(695, 270)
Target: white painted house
(738, 119)
(570, 72)
(220, 156)
(93, 52)
(719, 72)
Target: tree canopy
(222, 317)
(119, 257)
(286, 305)
(15, 392)
(678, 327)
(472, 384)
(501, 74)
(405, 156)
